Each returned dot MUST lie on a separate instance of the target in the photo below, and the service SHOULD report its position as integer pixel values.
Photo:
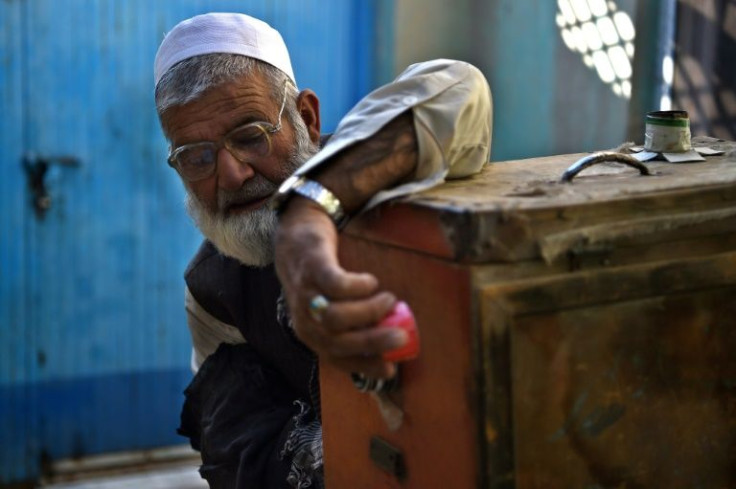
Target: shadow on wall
(705, 72)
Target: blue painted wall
(94, 350)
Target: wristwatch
(313, 191)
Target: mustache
(256, 188)
(259, 186)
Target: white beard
(248, 237)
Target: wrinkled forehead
(219, 109)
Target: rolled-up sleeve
(453, 117)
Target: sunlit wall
(604, 37)
(560, 71)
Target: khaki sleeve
(207, 332)
(453, 116)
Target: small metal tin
(667, 131)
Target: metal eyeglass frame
(266, 127)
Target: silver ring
(317, 306)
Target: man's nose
(231, 173)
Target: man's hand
(307, 265)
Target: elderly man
(247, 146)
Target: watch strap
(315, 192)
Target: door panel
(14, 356)
(105, 338)
(615, 377)
(634, 394)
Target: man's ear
(307, 103)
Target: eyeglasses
(197, 161)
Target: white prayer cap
(222, 33)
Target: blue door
(94, 350)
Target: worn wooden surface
(617, 378)
(511, 210)
(574, 336)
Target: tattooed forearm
(386, 159)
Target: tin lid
(670, 118)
